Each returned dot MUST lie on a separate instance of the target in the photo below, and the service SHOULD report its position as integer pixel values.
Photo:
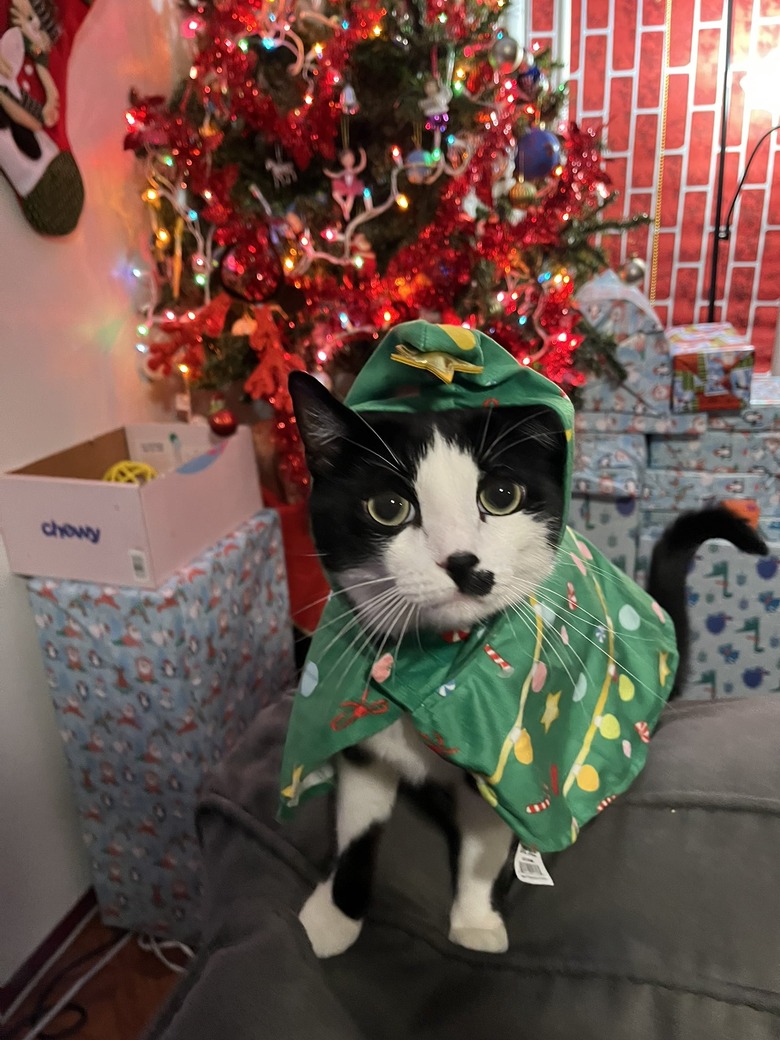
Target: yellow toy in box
(129, 472)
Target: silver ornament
(633, 271)
(506, 55)
(348, 101)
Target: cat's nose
(460, 563)
(461, 567)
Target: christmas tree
(328, 169)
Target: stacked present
(152, 687)
(690, 427)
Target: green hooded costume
(550, 709)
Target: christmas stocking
(36, 37)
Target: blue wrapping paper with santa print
(624, 312)
(151, 689)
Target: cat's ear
(323, 422)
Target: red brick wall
(616, 79)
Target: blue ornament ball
(418, 166)
(538, 153)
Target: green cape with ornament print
(549, 705)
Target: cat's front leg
(485, 841)
(333, 914)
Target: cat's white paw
(486, 933)
(329, 930)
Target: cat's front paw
(486, 932)
(329, 930)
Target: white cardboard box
(59, 519)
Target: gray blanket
(664, 921)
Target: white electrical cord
(159, 946)
(67, 997)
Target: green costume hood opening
(420, 367)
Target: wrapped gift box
(718, 451)
(733, 603)
(712, 367)
(151, 688)
(608, 474)
(678, 490)
(612, 524)
(628, 422)
(625, 313)
(761, 415)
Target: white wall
(67, 372)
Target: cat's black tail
(673, 555)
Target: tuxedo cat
(437, 521)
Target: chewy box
(59, 518)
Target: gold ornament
(522, 194)
(439, 364)
(129, 472)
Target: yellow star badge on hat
(437, 362)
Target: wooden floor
(120, 1000)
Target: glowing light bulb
(318, 49)
(150, 195)
(163, 236)
(377, 30)
(289, 263)
(387, 316)
(184, 369)
(308, 99)
(142, 348)
(244, 45)
(358, 261)
(143, 330)
(207, 195)
(321, 355)
(130, 118)
(402, 202)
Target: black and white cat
(439, 521)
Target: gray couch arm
(664, 921)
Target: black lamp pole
(724, 120)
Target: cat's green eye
(389, 509)
(500, 497)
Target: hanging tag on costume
(530, 868)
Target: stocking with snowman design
(36, 37)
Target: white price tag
(530, 868)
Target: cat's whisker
(335, 593)
(484, 432)
(601, 647)
(354, 619)
(580, 613)
(361, 637)
(386, 462)
(381, 439)
(510, 429)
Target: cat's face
(435, 520)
